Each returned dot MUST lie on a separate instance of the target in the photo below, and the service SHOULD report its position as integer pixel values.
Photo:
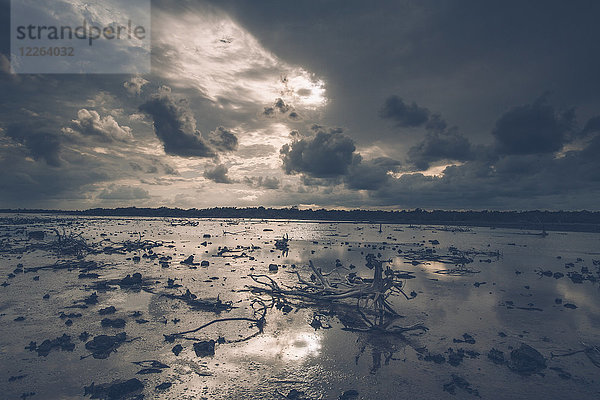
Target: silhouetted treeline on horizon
(538, 220)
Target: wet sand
(518, 291)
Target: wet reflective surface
(502, 299)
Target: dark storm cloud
(32, 184)
(281, 107)
(175, 126)
(51, 165)
(593, 125)
(319, 128)
(446, 145)
(489, 176)
(324, 155)
(311, 181)
(519, 181)
(403, 114)
(371, 175)
(469, 60)
(261, 182)
(223, 140)
(41, 144)
(439, 143)
(218, 174)
(436, 124)
(517, 171)
(329, 157)
(590, 153)
(533, 129)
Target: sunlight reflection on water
(286, 346)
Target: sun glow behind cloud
(212, 53)
(305, 90)
(204, 53)
(434, 171)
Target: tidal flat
(167, 308)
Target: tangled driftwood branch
(71, 244)
(371, 295)
(258, 319)
(214, 305)
(373, 312)
(132, 245)
(591, 351)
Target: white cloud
(212, 53)
(134, 85)
(90, 123)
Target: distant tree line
(548, 220)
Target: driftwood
(132, 245)
(283, 243)
(81, 265)
(71, 244)
(453, 256)
(372, 313)
(258, 320)
(371, 295)
(214, 305)
(591, 351)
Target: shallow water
(501, 303)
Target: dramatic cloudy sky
(389, 104)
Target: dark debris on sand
(195, 303)
(526, 360)
(205, 348)
(63, 343)
(101, 346)
(458, 382)
(117, 390)
(113, 323)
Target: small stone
(526, 360)
(164, 386)
(107, 310)
(205, 348)
(349, 395)
(177, 349)
(113, 323)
